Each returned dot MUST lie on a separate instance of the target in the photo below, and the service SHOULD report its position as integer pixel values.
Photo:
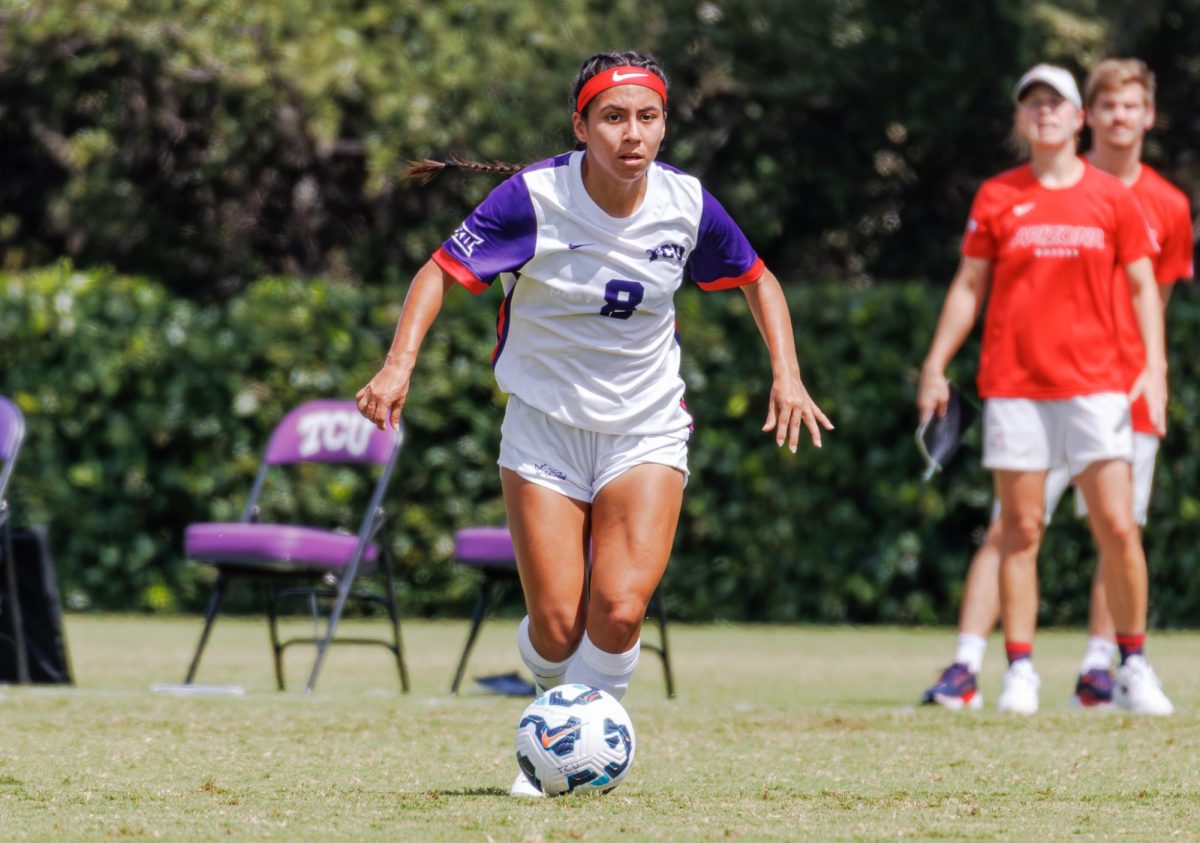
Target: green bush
(148, 413)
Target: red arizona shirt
(1050, 331)
(1170, 217)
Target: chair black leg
(14, 608)
(660, 614)
(276, 646)
(394, 614)
(210, 615)
(478, 614)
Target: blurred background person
(1046, 239)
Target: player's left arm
(790, 405)
(1148, 308)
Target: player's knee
(1021, 531)
(556, 631)
(617, 622)
(1116, 527)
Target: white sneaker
(1019, 693)
(523, 788)
(1138, 689)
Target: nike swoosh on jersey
(577, 245)
(621, 77)
(1022, 210)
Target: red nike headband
(624, 75)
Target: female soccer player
(1119, 103)
(591, 246)
(1047, 239)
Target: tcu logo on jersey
(667, 251)
(466, 239)
(333, 430)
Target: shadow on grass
(471, 791)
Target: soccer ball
(575, 739)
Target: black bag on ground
(37, 605)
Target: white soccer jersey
(586, 332)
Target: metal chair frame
(340, 586)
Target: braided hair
(423, 171)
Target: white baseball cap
(1058, 78)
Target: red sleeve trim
(453, 267)
(748, 277)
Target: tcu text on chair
(320, 432)
(12, 434)
(490, 551)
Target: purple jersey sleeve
(723, 257)
(499, 236)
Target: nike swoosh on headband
(621, 77)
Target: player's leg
(1094, 682)
(1107, 487)
(549, 532)
(1022, 442)
(1022, 516)
(957, 687)
(547, 496)
(1099, 437)
(1094, 686)
(633, 528)
(549, 535)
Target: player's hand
(381, 401)
(1152, 384)
(790, 407)
(933, 395)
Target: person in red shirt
(1119, 99)
(1048, 241)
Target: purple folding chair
(12, 434)
(315, 432)
(490, 551)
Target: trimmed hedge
(147, 413)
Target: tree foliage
(207, 144)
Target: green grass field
(777, 733)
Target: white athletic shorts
(1020, 434)
(1145, 453)
(575, 462)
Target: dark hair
(423, 171)
(601, 62)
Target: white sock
(970, 650)
(546, 674)
(1098, 655)
(607, 671)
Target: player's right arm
(968, 291)
(382, 399)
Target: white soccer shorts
(1020, 434)
(575, 462)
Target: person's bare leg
(1100, 619)
(1093, 686)
(549, 533)
(1022, 513)
(633, 529)
(981, 592)
(1107, 487)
